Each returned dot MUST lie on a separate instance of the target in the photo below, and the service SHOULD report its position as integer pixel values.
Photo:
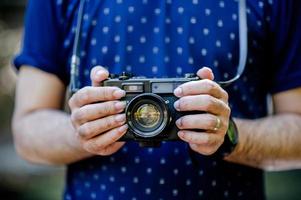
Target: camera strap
(243, 47)
(75, 58)
(243, 43)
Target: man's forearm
(271, 143)
(47, 136)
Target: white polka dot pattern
(161, 39)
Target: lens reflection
(147, 115)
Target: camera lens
(147, 115)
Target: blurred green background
(24, 181)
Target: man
(159, 39)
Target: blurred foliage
(46, 187)
(283, 185)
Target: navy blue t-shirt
(167, 38)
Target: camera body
(150, 112)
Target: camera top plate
(133, 84)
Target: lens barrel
(147, 115)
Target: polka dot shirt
(168, 38)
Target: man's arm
(274, 142)
(43, 133)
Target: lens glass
(147, 115)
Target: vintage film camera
(150, 111)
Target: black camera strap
(243, 47)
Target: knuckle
(102, 109)
(110, 108)
(210, 84)
(211, 87)
(71, 102)
(227, 111)
(211, 122)
(84, 97)
(114, 108)
(73, 122)
(113, 136)
(210, 102)
(107, 109)
(226, 95)
(109, 122)
(84, 94)
(84, 130)
(107, 93)
(73, 119)
(77, 115)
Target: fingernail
(178, 91)
(120, 105)
(181, 134)
(120, 118)
(119, 93)
(179, 123)
(123, 128)
(177, 105)
(99, 73)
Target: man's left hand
(210, 126)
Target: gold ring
(218, 124)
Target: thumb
(205, 73)
(98, 74)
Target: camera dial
(125, 76)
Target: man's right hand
(99, 125)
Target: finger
(88, 95)
(201, 87)
(205, 122)
(96, 111)
(205, 103)
(204, 149)
(99, 143)
(98, 74)
(110, 149)
(200, 138)
(96, 127)
(205, 73)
